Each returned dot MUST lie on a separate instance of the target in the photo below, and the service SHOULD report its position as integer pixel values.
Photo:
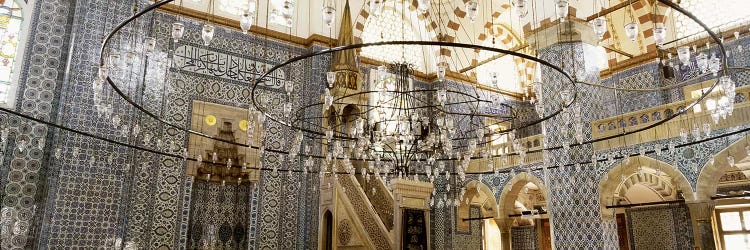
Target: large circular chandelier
(405, 130)
(408, 129)
(383, 119)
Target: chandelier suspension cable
(569, 64)
(621, 122)
(106, 21)
(210, 11)
(330, 27)
(441, 35)
(163, 104)
(476, 109)
(422, 29)
(538, 70)
(692, 116)
(455, 34)
(630, 10)
(403, 31)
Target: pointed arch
(610, 183)
(511, 189)
(480, 195)
(327, 231)
(713, 170)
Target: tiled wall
(660, 227)
(126, 194)
(471, 239)
(221, 210)
(523, 238)
(98, 194)
(23, 173)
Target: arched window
(392, 26)
(12, 30)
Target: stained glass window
(390, 26)
(10, 27)
(715, 14)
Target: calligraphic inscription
(212, 63)
(346, 79)
(415, 232)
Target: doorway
(328, 230)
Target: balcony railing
(532, 143)
(699, 115)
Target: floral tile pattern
(661, 227)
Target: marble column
(505, 235)
(573, 198)
(701, 213)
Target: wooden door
(545, 242)
(622, 232)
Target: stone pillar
(573, 198)
(701, 213)
(506, 238)
(408, 194)
(505, 234)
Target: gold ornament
(210, 120)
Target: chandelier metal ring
(172, 155)
(335, 101)
(724, 68)
(158, 4)
(571, 81)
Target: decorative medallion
(210, 120)
(243, 125)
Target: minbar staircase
(369, 212)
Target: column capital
(549, 34)
(504, 224)
(701, 211)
